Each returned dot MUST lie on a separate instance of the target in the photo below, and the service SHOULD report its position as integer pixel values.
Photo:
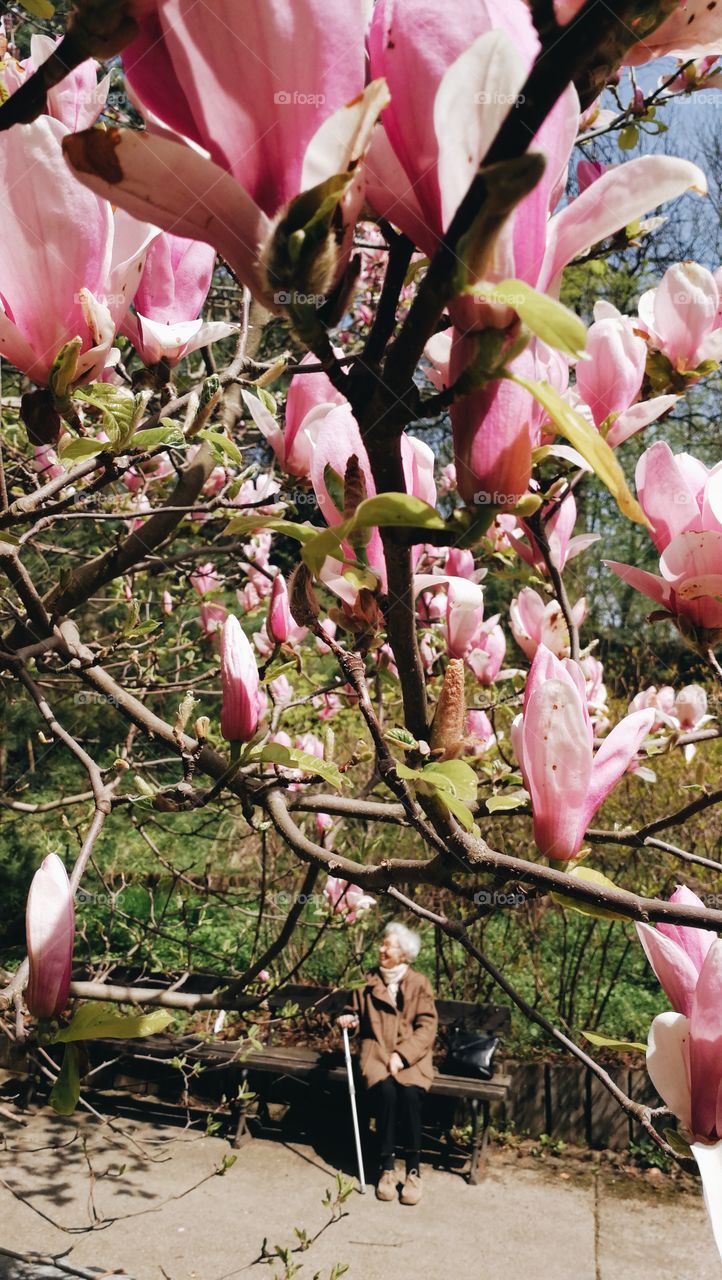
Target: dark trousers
(397, 1108)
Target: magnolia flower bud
(50, 931)
(278, 623)
(240, 708)
(202, 727)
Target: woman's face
(390, 951)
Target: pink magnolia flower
(245, 144)
(690, 712)
(553, 740)
(205, 579)
(464, 615)
(559, 529)
(690, 707)
(310, 398)
(173, 288)
(327, 704)
(50, 931)
(593, 672)
(496, 427)
(460, 563)
(280, 627)
(46, 463)
(661, 702)
(677, 953)
(683, 500)
(333, 446)
(693, 30)
(55, 284)
(480, 736)
(346, 899)
(588, 171)
(212, 617)
(77, 101)
(472, 59)
(487, 652)
(240, 706)
(684, 1060)
(610, 379)
(680, 316)
(536, 622)
(281, 689)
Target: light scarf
(392, 978)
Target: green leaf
(250, 524)
(121, 410)
(408, 775)
(394, 510)
(506, 803)
(292, 758)
(589, 876)
(550, 320)
(628, 137)
(604, 1042)
(172, 434)
(335, 485)
(455, 777)
(39, 8)
(678, 1144)
(221, 444)
(587, 440)
(399, 737)
(98, 1021)
(65, 1092)
(78, 450)
(386, 510)
(460, 811)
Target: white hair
(409, 941)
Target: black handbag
(469, 1053)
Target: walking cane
(354, 1113)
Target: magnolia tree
(390, 180)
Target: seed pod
(447, 729)
(303, 602)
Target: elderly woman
(396, 1014)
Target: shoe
(412, 1189)
(386, 1185)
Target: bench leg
(242, 1135)
(479, 1141)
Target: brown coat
(409, 1029)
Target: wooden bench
(226, 1064)
(329, 1068)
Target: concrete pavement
(150, 1203)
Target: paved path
(161, 1211)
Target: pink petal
(695, 942)
(300, 63)
(674, 970)
(706, 1045)
(558, 762)
(615, 754)
(172, 186)
(617, 198)
(638, 417)
(648, 583)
